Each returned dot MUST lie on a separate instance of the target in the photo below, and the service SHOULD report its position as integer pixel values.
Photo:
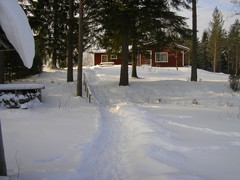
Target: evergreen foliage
(234, 47)
(216, 40)
(50, 22)
(234, 80)
(152, 22)
(204, 60)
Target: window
(161, 57)
(104, 58)
(113, 56)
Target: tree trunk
(55, 34)
(70, 44)
(124, 61)
(134, 60)
(1, 67)
(215, 56)
(3, 168)
(80, 50)
(194, 41)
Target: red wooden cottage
(166, 57)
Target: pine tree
(216, 39)
(194, 41)
(49, 22)
(234, 47)
(80, 49)
(124, 22)
(70, 43)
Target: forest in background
(218, 48)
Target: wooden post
(3, 168)
(89, 99)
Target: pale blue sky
(205, 10)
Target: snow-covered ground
(162, 126)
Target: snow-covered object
(21, 86)
(149, 130)
(15, 24)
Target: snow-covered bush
(11, 100)
(234, 79)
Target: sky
(205, 10)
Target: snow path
(118, 151)
(134, 144)
(107, 152)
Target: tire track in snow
(207, 130)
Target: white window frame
(161, 53)
(102, 56)
(114, 57)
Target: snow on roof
(99, 51)
(183, 47)
(21, 86)
(16, 27)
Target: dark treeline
(55, 27)
(113, 25)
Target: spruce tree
(204, 62)
(216, 39)
(80, 49)
(123, 22)
(70, 42)
(234, 47)
(49, 22)
(194, 41)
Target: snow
(15, 24)
(21, 86)
(4, 178)
(162, 126)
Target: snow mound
(15, 24)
